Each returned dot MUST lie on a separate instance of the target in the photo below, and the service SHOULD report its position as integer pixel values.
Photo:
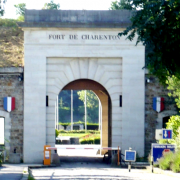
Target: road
(95, 171)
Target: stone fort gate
(64, 47)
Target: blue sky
(10, 11)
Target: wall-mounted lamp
(148, 80)
(20, 77)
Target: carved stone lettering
(85, 37)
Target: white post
(71, 110)
(85, 112)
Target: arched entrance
(102, 94)
(87, 73)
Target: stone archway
(52, 63)
(86, 73)
(102, 94)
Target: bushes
(174, 124)
(170, 161)
(8, 23)
(56, 132)
(90, 140)
(89, 137)
(165, 161)
(90, 126)
(176, 162)
(97, 140)
(80, 131)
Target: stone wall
(11, 86)
(153, 119)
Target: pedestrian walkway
(11, 171)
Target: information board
(157, 150)
(130, 155)
(1, 131)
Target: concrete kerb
(36, 167)
(25, 174)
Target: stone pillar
(104, 102)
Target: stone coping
(77, 18)
(10, 70)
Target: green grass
(30, 178)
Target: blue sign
(130, 155)
(159, 149)
(167, 133)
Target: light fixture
(148, 80)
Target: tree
(51, 5)
(20, 10)
(92, 105)
(174, 87)
(121, 4)
(157, 25)
(2, 7)
(174, 124)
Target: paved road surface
(11, 172)
(95, 171)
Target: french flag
(158, 104)
(9, 103)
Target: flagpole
(71, 110)
(57, 106)
(85, 113)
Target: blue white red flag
(9, 103)
(158, 104)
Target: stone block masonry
(12, 87)
(153, 119)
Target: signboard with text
(163, 134)
(158, 150)
(1, 131)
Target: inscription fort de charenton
(83, 37)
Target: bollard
(118, 156)
(152, 164)
(129, 166)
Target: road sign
(167, 133)
(157, 150)
(130, 155)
